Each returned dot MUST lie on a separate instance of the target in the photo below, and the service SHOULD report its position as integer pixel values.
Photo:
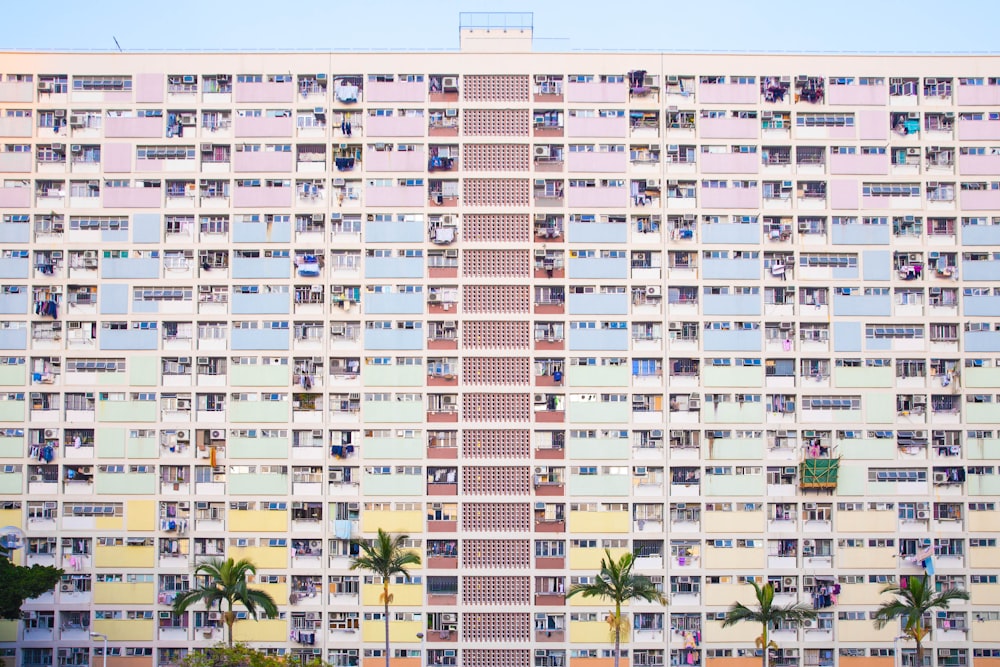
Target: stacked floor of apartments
(737, 315)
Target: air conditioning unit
(808, 544)
(653, 290)
(543, 151)
(319, 111)
(789, 471)
(317, 217)
(539, 398)
(217, 434)
(940, 478)
(653, 183)
(206, 148)
(809, 506)
(183, 436)
(353, 507)
(788, 581)
(923, 514)
(449, 82)
(656, 433)
(451, 113)
(59, 113)
(694, 403)
(913, 115)
(45, 86)
(433, 297)
(785, 326)
(51, 433)
(640, 471)
(809, 623)
(453, 254)
(338, 182)
(58, 147)
(913, 151)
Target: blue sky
(560, 25)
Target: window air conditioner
(317, 217)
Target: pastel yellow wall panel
(726, 594)
(985, 631)
(8, 631)
(866, 522)
(984, 558)
(865, 661)
(733, 522)
(744, 633)
(124, 557)
(864, 631)
(109, 523)
(867, 558)
(732, 662)
(262, 557)
(599, 522)
(11, 518)
(263, 630)
(590, 558)
(140, 515)
(403, 595)
(407, 522)
(258, 521)
(399, 631)
(278, 592)
(125, 630)
(984, 522)
(588, 632)
(124, 593)
(860, 594)
(985, 594)
(732, 559)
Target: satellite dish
(11, 537)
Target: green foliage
(912, 602)
(226, 583)
(385, 556)
(767, 614)
(616, 583)
(240, 655)
(18, 584)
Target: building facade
(737, 315)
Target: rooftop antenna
(117, 44)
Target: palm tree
(226, 582)
(385, 556)
(767, 614)
(616, 582)
(913, 601)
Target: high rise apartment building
(735, 314)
